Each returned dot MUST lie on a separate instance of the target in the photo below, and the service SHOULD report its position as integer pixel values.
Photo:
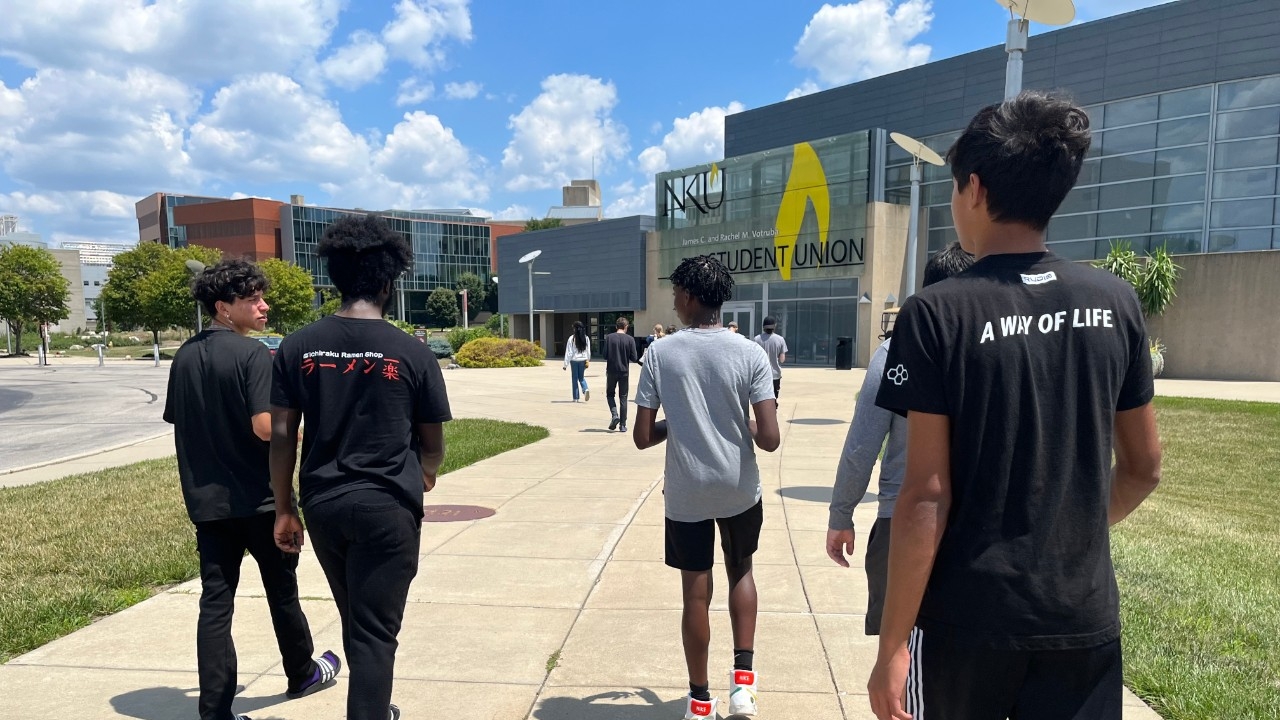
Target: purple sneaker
(327, 667)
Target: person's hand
(888, 685)
(840, 544)
(288, 533)
(428, 482)
(751, 426)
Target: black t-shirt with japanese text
(1030, 356)
(362, 386)
(218, 381)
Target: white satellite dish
(1045, 12)
(916, 149)
(530, 257)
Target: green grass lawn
(85, 546)
(1199, 566)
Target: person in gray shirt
(776, 347)
(862, 446)
(708, 380)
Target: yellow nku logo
(807, 184)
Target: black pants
(222, 544)
(952, 681)
(877, 567)
(367, 541)
(621, 384)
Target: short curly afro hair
(226, 281)
(706, 279)
(364, 256)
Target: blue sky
(491, 104)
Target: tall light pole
(528, 260)
(1022, 12)
(502, 325)
(919, 151)
(195, 267)
(466, 322)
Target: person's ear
(976, 193)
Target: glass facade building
(444, 246)
(1194, 170)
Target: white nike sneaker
(742, 692)
(700, 709)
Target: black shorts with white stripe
(951, 680)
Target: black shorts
(777, 388)
(877, 567)
(954, 681)
(692, 545)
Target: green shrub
(488, 352)
(459, 337)
(440, 347)
(498, 326)
(405, 326)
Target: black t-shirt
(218, 381)
(619, 353)
(362, 386)
(1030, 356)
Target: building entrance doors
(743, 313)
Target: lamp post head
(195, 267)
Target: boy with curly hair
(374, 402)
(709, 382)
(219, 403)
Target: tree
(290, 295)
(150, 287)
(477, 292)
(332, 303)
(442, 308)
(32, 288)
(544, 224)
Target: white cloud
(193, 40)
(855, 41)
(420, 28)
(563, 132)
(414, 92)
(515, 211)
(693, 140)
(632, 199)
(95, 215)
(85, 130)
(269, 128)
(808, 87)
(357, 63)
(462, 91)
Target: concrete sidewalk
(567, 576)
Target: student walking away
(219, 403)
(862, 447)
(577, 353)
(619, 354)
(733, 326)
(775, 346)
(710, 382)
(657, 334)
(374, 401)
(1018, 379)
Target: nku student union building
(810, 208)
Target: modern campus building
(445, 244)
(96, 261)
(809, 208)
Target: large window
(1195, 170)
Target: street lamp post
(195, 267)
(1022, 12)
(528, 260)
(502, 324)
(466, 322)
(919, 152)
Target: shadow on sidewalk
(818, 421)
(609, 706)
(171, 703)
(818, 494)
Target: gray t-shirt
(707, 381)
(862, 446)
(774, 346)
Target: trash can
(844, 353)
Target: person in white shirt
(577, 351)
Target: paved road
(65, 410)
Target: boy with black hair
(1018, 378)
(619, 353)
(219, 403)
(374, 402)
(862, 447)
(706, 379)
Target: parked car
(271, 341)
